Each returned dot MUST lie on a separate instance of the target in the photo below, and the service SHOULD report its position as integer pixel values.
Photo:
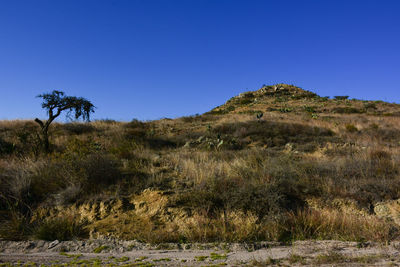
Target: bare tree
(57, 102)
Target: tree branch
(39, 122)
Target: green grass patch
(162, 259)
(75, 256)
(100, 249)
(332, 257)
(122, 259)
(200, 258)
(216, 256)
(141, 258)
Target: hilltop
(310, 167)
(286, 98)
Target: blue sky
(149, 59)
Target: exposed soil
(133, 253)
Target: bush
(245, 101)
(346, 110)
(14, 226)
(68, 195)
(94, 172)
(78, 128)
(383, 133)
(262, 188)
(201, 118)
(5, 147)
(274, 133)
(351, 128)
(87, 174)
(309, 109)
(60, 229)
(332, 224)
(285, 110)
(341, 97)
(16, 181)
(370, 105)
(305, 94)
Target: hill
(286, 98)
(280, 163)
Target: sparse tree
(57, 102)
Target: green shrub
(88, 174)
(216, 111)
(264, 186)
(341, 97)
(100, 169)
(6, 147)
(14, 226)
(285, 110)
(245, 101)
(100, 249)
(230, 108)
(16, 182)
(224, 194)
(305, 94)
(274, 133)
(351, 128)
(60, 229)
(80, 148)
(331, 258)
(370, 105)
(346, 110)
(309, 109)
(374, 126)
(280, 99)
(78, 128)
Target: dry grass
(231, 176)
(328, 224)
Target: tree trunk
(45, 135)
(46, 142)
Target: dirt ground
(133, 253)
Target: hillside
(278, 164)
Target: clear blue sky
(150, 59)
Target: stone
(53, 244)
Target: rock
(53, 244)
(388, 210)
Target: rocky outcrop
(388, 210)
(118, 217)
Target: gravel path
(132, 253)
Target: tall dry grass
(328, 224)
(256, 189)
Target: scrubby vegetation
(310, 168)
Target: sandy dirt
(132, 253)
